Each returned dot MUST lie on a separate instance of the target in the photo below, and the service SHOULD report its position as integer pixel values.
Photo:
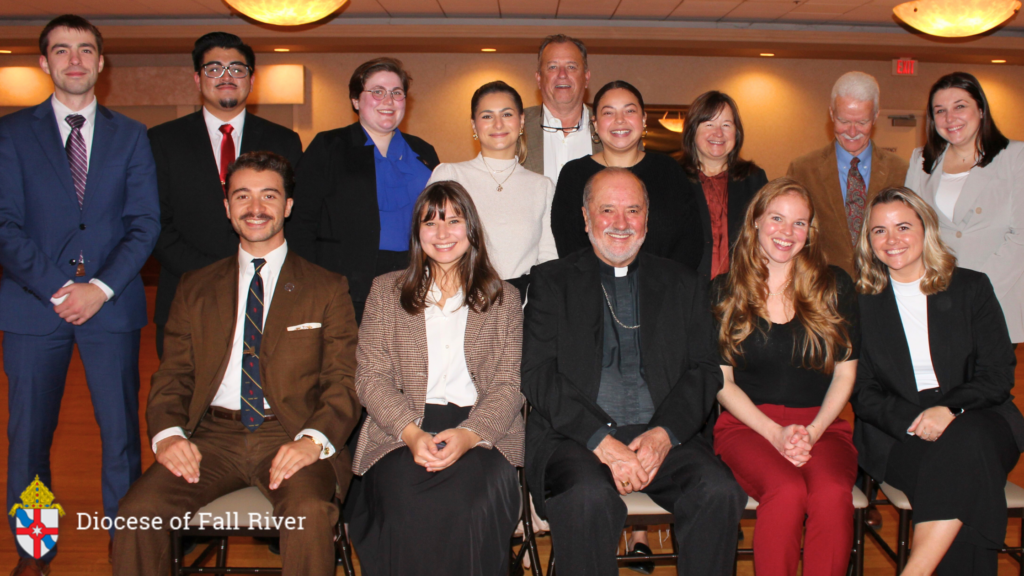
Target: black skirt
(456, 521)
(961, 475)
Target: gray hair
(562, 39)
(611, 171)
(859, 86)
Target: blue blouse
(401, 176)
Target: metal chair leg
(903, 541)
(551, 560)
(346, 554)
(177, 557)
(222, 553)
(859, 518)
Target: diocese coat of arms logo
(36, 519)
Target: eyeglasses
(234, 70)
(379, 94)
(569, 130)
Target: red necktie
(227, 153)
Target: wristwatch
(315, 441)
(955, 410)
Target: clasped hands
(794, 442)
(424, 448)
(83, 301)
(634, 466)
(182, 457)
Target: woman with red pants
(788, 337)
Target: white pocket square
(306, 326)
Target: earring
(755, 227)
(594, 137)
(475, 137)
(520, 131)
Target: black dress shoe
(641, 567)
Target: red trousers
(820, 489)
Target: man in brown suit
(260, 395)
(843, 176)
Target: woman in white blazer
(974, 178)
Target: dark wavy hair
(480, 284)
(499, 87)
(707, 107)
(261, 161)
(990, 140)
(225, 40)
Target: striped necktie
(77, 156)
(252, 386)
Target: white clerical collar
(620, 272)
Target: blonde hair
(939, 262)
(812, 290)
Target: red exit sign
(904, 67)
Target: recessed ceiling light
(282, 49)
(767, 54)
(488, 49)
(999, 61)
(5, 51)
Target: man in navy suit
(79, 215)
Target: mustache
(857, 137)
(614, 230)
(258, 215)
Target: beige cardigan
(391, 373)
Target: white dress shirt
(213, 125)
(560, 147)
(88, 129)
(448, 379)
(229, 393)
(913, 306)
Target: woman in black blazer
(356, 186)
(721, 182)
(935, 417)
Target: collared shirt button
(959, 234)
(977, 210)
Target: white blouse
(950, 186)
(913, 306)
(448, 379)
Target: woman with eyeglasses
(674, 228)
(355, 186)
(514, 203)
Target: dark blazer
(308, 375)
(740, 192)
(393, 365)
(336, 220)
(194, 230)
(971, 353)
(562, 349)
(43, 231)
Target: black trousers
(587, 515)
(961, 475)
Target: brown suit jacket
(308, 375)
(819, 172)
(392, 374)
(535, 139)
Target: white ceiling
(876, 12)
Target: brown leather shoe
(874, 517)
(31, 567)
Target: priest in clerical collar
(620, 368)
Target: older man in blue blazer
(79, 215)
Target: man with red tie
(79, 216)
(192, 156)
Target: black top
(194, 232)
(770, 370)
(971, 353)
(674, 227)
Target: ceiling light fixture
(5, 51)
(488, 49)
(999, 61)
(282, 50)
(287, 12)
(956, 18)
(767, 54)
(673, 124)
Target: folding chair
(898, 500)
(236, 507)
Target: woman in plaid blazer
(438, 371)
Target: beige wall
(783, 102)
